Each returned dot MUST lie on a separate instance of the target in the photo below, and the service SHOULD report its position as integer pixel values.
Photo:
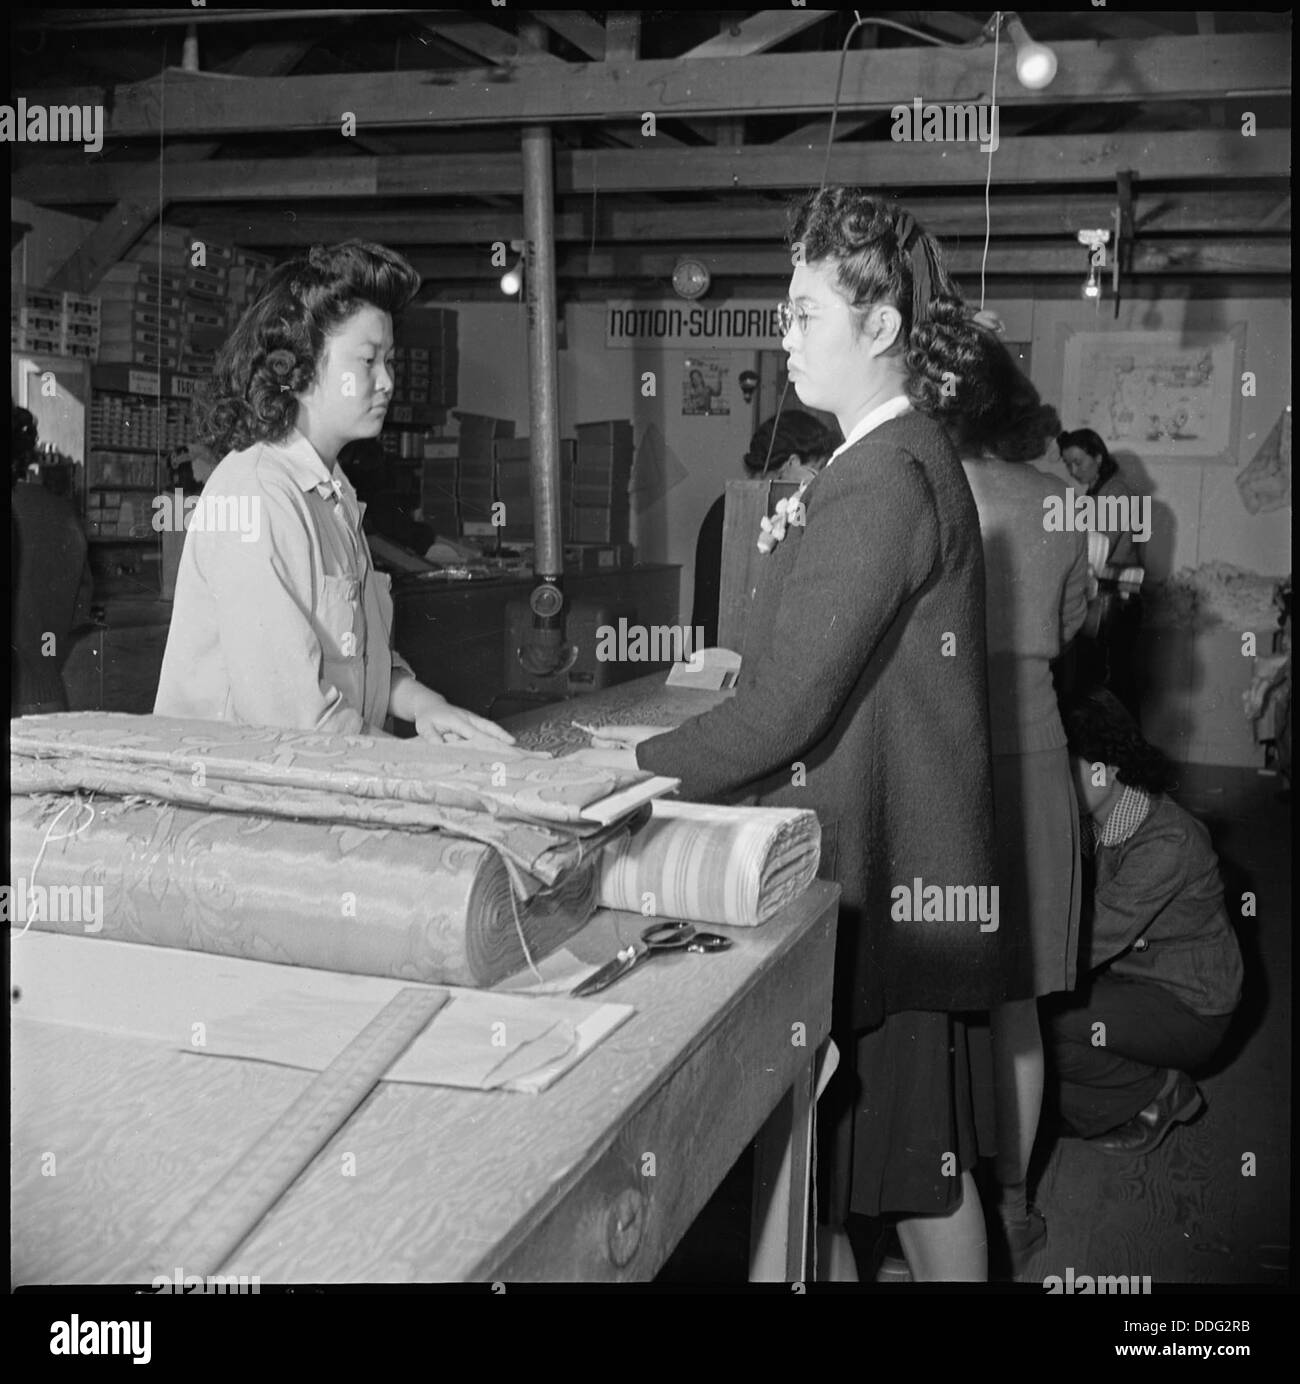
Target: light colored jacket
(286, 623)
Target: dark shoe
(1011, 1252)
(1147, 1129)
(1025, 1238)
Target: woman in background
(863, 696)
(1036, 600)
(1107, 653)
(51, 585)
(793, 446)
(285, 622)
(1164, 968)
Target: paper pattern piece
(479, 1040)
(1161, 394)
(528, 806)
(369, 900)
(1266, 483)
(727, 865)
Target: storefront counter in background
(454, 634)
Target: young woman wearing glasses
(863, 695)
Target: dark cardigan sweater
(863, 695)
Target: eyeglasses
(787, 315)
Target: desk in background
(453, 634)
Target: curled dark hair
(1099, 730)
(797, 432)
(274, 353)
(1000, 413)
(882, 254)
(1088, 441)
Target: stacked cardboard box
(514, 487)
(476, 472)
(138, 422)
(36, 321)
(112, 514)
(142, 315)
(601, 475)
(248, 275)
(440, 477)
(81, 326)
(427, 365)
(162, 309)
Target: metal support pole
(544, 652)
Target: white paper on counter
(296, 1016)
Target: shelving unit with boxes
(44, 323)
(159, 321)
(417, 430)
(139, 418)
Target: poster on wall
(704, 380)
(1165, 395)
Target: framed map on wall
(1164, 395)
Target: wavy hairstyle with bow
(275, 352)
(883, 255)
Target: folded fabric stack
(728, 865)
(376, 856)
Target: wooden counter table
(450, 1185)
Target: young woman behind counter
(288, 623)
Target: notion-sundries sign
(741, 325)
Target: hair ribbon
(922, 284)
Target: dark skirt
(1037, 817)
(896, 1128)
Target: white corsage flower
(790, 512)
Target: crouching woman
(1164, 967)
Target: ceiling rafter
(787, 83)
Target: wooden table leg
(781, 1223)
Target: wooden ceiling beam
(1194, 67)
(759, 32)
(500, 48)
(632, 264)
(578, 28)
(131, 216)
(622, 37)
(1206, 155)
(1198, 213)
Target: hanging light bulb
(1035, 63)
(1095, 241)
(513, 279)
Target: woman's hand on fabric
(435, 718)
(452, 725)
(622, 760)
(623, 737)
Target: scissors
(659, 937)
